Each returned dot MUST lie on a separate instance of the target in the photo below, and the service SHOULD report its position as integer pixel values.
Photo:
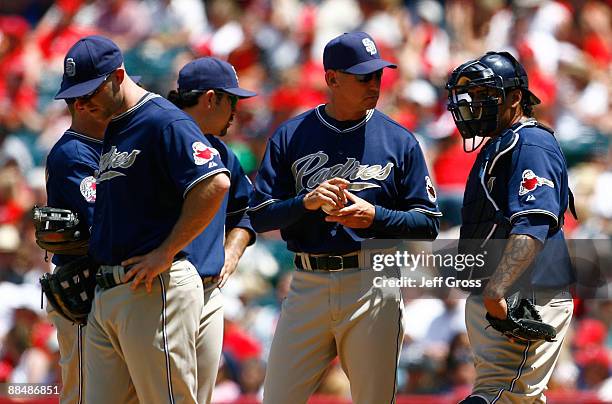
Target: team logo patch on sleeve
(431, 191)
(531, 181)
(88, 189)
(202, 154)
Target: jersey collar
(83, 136)
(339, 130)
(143, 100)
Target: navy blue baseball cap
(355, 53)
(87, 64)
(211, 73)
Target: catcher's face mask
(478, 88)
(475, 107)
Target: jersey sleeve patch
(202, 154)
(530, 181)
(431, 191)
(88, 189)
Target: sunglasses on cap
(365, 78)
(233, 98)
(88, 96)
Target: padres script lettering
(115, 159)
(351, 170)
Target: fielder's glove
(59, 231)
(524, 323)
(70, 289)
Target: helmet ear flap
(516, 96)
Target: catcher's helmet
(477, 88)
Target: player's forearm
(241, 221)
(277, 215)
(236, 241)
(200, 206)
(400, 224)
(518, 255)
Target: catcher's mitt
(524, 323)
(70, 289)
(59, 231)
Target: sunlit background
(276, 47)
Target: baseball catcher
(514, 203)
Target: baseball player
(208, 91)
(70, 169)
(517, 192)
(368, 173)
(159, 185)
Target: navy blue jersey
(71, 167)
(381, 159)
(153, 154)
(233, 212)
(240, 190)
(519, 185)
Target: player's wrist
(232, 257)
(492, 293)
(371, 214)
(165, 254)
(309, 202)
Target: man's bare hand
(229, 267)
(359, 215)
(146, 268)
(329, 192)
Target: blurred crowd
(276, 47)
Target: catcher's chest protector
(482, 215)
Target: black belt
(328, 262)
(106, 279)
